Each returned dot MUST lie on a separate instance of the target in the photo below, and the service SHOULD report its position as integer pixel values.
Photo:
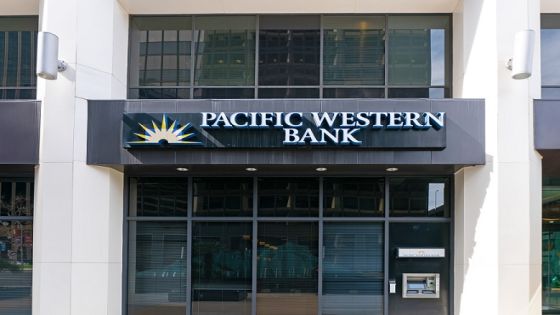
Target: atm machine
(419, 269)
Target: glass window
(354, 50)
(353, 93)
(353, 197)
(158, 197)
(289, 50)
(18, 46)
(297, 197)
(16, 257)
(289, 93)
(223, 197)
(287, 268)
(551, 244)
(413, 197)
(157, 278)
(16, 198)
(418, 93)
(221, 268)
(550, 63)
(418, 46)
(225, 50)
(160, 53)
(353, 270)
(224, 93)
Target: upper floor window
(550, 61)
(18, 39)
(290, 56)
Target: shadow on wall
(478, 177)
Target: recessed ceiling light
(251, 169)
(182, 169)
(321, 169)
(392, 169)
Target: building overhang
(19, 133)
(111, 124)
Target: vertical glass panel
(160, 51)
(418, 49)
(16, 198)
(414, 197)
(353, 197)
(288, 93)
(164, 197)
(353, 270)
(16, 256)
(551, 244)
(221, 268)
(287, 268)
(225, 50)
(353, 93)
(230, 197)
(157, 281)
(289, 50)
(294, 197)
(354, 50)
(550, 63)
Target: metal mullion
(193, 63)
(321, 47)
(225, 219)
(320, 253)
(386, 57)
(386, 250)
(288, 219)
(16, 218)
(257, 48)
(160, 219)
(13, 203)
(420, 219)
(254, 250)
(354, 219)
(125, 225)
(189, 246)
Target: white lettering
(206, 117)
(290, 136)
(348, 138)
(324, 118)
(288, 120)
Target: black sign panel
(380, 130)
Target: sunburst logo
(166, 134)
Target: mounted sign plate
(421, 252)
(381, 130)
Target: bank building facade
(327, 157)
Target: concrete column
(498, 206)
(79, 208)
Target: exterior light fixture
(182, 169)
(48, 64)
(521, 64)
(391, 169)
(251, 169)
(321, 169)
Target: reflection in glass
(221, 268)
(353, 269)
(353, 93)
(160, 51)
(551, 244)
(225, 50)
(16, 198)
(164, 197)
(354, 50)
(288, 93)
(550, 93)
(298, 197)
(550, 46)
(419, 197)
(353, 197)
(157, 268)
(16, 256)
(289, 50)
(287, 268)
(417, 93)
(417, 49)
(224, 93)
(223, 197)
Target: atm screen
(416, 286)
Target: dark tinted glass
(550, 63)
(159, 93)
(354, 50)
(353, 268)
(353, 93)
(224, 93)
(287, 268)
(225, 50)
(223, 197)
(418, 46)
(157, 278)
(297, 197)
(18, 40)
(418, 93)
(16, 198)
(419, 197)
(550, 93)
(289, 93)
(289, 50)
(160, 51)
(16, 256)
(165, 197)
(353, 197)
(221, 268)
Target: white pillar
(498, 205)
(79, 208)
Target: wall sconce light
(521, 64)
(48, 64)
